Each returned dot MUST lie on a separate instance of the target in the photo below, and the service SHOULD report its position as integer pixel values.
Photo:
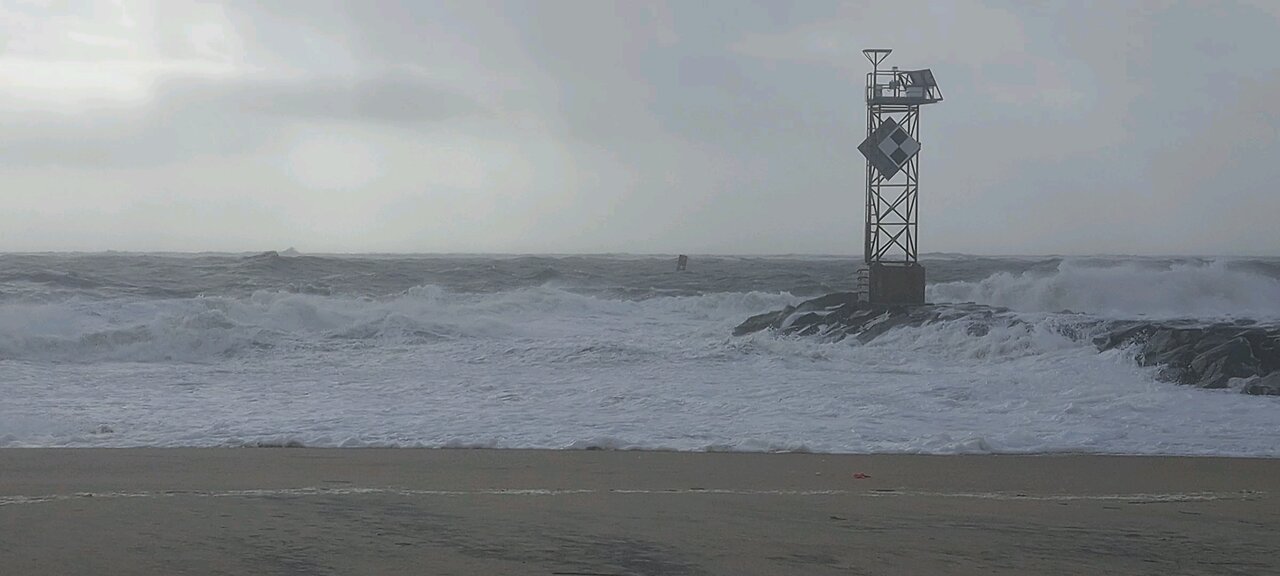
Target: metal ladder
(862, 284)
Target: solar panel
(921, 78)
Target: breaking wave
(1126, 289)
(604, 352)
(212, 328)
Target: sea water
(616, 352)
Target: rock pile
(1223, 355)
(1213, 356)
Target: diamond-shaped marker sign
(889, 148)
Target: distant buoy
(682, 262)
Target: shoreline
(300, 446)
(487, 511)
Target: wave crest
(212, 328)
(1181, 290)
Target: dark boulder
(842, 315)
(762, 321)
(1231, 359)
(1268, 385)
(1204, 356)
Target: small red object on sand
(861, 476)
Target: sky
(590, 127)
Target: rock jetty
(1240, 355)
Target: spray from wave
(1126, 289)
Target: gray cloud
(597, 126)
(191, 116)
(398, 100)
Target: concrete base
(896, 284)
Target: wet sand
(368, 511)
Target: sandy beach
(372, 511)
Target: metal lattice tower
(892, 150)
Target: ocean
(611, 351)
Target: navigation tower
(892, 146)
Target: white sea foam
(214, 328)
(543, 367)
(1126, 289)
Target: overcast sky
(700, 127)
